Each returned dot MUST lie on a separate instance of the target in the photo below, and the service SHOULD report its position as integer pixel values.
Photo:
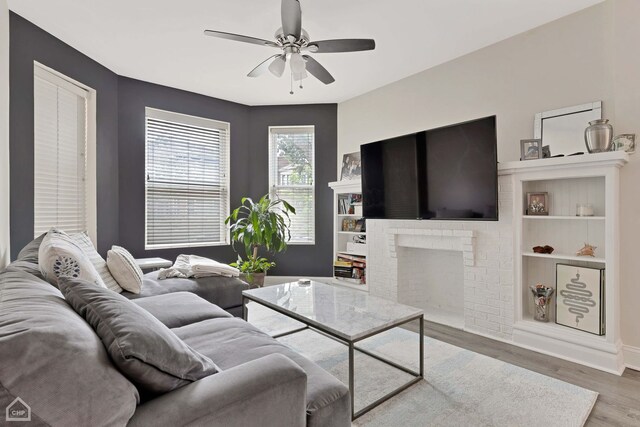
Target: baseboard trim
(631, 357)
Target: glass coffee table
(345, 315)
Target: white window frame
(313, 189)
(192, 121)
(90, 94)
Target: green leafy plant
(263, 224)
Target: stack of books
(350, 268)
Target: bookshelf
(349, 235)
(592, 179)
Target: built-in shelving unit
(347, 209)
(589, 179)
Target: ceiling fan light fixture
(277, 66)
(300, 76)
(297, 63)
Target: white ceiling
(162, 41)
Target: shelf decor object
(580, 295)
(530, 149)
(599, 136)
(538, 203)
(587, 250)
(542, 301)
(625, 142)
(584, 209)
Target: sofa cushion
(231, 342)
(59, 256)
(124, 268)
(85, 243)
(224, 292)
(180, 309)
(54, 361)
(30, 251)
(144, 349)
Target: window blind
(187, 164)
(60, 143)
(291, 176)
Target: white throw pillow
(124, 269)
(83, 240)
(59, 256)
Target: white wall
(626, 60)
(591, 55)
(4, 133)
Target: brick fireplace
(399, 248)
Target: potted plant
(264, 224)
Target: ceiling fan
(295, 42)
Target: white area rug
(461, 388)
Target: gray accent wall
(249, 166)
(300, 260)
(135, 95)
(121, 150)
(29, 43)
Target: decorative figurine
(546, 249)
(587, 250)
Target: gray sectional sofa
(54, 361)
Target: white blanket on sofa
(187, 266)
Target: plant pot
(255, 280)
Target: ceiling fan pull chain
(291, 84)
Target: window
(187, 183)
(291, 176)
(64, 159)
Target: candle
(584, 210)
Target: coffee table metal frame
(351, 344)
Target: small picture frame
(530, 149)
(349, 224)
(538, 203)
(351, 167)
(361, 225)
(625, 142)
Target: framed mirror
(563, 129)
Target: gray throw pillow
(144, 349)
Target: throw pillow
(59, 256)
(144, 349)
(85, 243)
(124, 269)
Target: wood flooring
(618, 403)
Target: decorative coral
(546, 249)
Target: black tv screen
(449, 173)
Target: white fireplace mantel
(436, 239)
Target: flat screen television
(448, 173)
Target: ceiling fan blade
(318, 71)
(341, 45)
(291, 18)
(239, 38)
(277, 65)
(262, 68)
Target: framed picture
(537, 203)
(349, 224)
(625, 142)
(580, 298)
(351, 167)
(361, 225)
(530, 149)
